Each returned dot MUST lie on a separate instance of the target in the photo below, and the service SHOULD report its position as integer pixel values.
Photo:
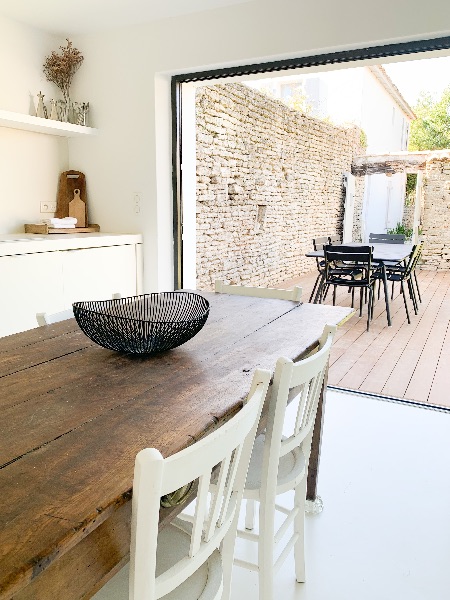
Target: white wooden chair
(294, 294)
(49, 319)
(280, 464)
(184, 561)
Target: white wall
(383, 203)
(381, 118)
(126, 77)
(30, 163)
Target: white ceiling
(62, 17)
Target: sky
(412, 77)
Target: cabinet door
(31, 283)
(98, 273)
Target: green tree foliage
(431, 129)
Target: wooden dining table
(74, 416)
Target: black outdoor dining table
(382, 253)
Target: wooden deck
(401, 361)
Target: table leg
(386, 294)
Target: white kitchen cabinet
(31, 283)
(98, 273)
(48, 275)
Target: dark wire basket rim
(83, 305)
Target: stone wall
(408, 216)
(269, 180)
(436, 212)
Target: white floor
(384, 533)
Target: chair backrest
(419, 252)
(294, 294)
(304, 381)
(320, 242)
(334, 239)
(49, 319)
(386, 238)
(338, 259)
(412, 260)
(230, 447)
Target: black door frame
(346, 56)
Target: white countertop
(29, 243)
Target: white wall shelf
(37, 124)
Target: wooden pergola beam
(389, 164)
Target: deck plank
(424, 372)
(407, 361)
(439, 392)
(404, 369)
(367, 373)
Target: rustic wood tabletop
(74, 416)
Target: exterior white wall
(383, 203)
(384, 124)
(345, 90)
(126, 78)
(350, 95)
(381, 119)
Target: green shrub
(401, 229)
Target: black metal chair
(387, 238)
(334, 240)
(319, 244)
(351, 267)
(418, 257)
(399, 266)
(402, 274)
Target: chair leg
(360, 301)
(266, 547)
(402, 289)
(334, 295)
(299, 529)
(316, 283)
(318, 297)
(413, 295)
(250, 514)
(227, 552)
(353, 296)
(392, 295)
(372, 304)
(369, 310)
(417, 286)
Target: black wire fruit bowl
(144, 324)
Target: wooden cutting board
(69, 181)
(77, 209)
